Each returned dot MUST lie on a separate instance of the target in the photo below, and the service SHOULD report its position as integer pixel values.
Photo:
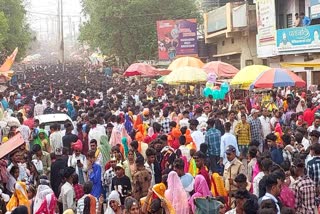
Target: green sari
(105, 149)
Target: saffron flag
(9, 61)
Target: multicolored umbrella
(246, 76)
(186, 75)
(221, 69)
(185, 61)
(277, 77)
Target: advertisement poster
(299, 38)
(314, 9)
(266, 22)
(177, 38)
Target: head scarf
(175, 187)
(105, 149)
(201, 189)
(159, 192)
(38, 140)
(77, 145)
(124, 143)
(45, 200)
(114, 196)
(20, 197)
(301, 108)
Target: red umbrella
(221, 69)
(277, 77)
(140, 69)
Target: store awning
(312, 64)
(226, 54)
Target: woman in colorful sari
(105, 150)
(43, 140)
(19, 197)
(45, 200)
(201, 190)
(130, 162)
(175, 188)
(155, 201)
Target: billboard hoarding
(299, 38)
(177, 38)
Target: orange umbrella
(186, 61)
(221, 69)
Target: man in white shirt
(273, 187)
(184, 150)
(265, 122)
(226, 140)
(266, 165)
(185, 121)
(39, 107)
(233, 121)
(96, 131)
(197, 136)
(67, 194)
(56, 139)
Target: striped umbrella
(277, 77)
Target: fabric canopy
(186, 61)
(221, 69)
(314, 63)
(186, 75)
(246, 76)
(277, 77)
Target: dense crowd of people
(134, 147)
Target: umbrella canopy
(186, 61)
(140, 69)
(160, 80)
(277, 77)
(221, 69)
(246, 76)
(186, 74)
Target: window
(222, 43)
(232, 40)
(289, 20)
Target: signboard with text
(314, 9)
(217, 20)
(299, 38)
(177, 38)
(266, 22)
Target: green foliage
(127, 28)
(14, 32)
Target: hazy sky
(42, 16)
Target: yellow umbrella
(246, 76)
(186, 61)
(185, 75)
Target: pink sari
(201, 189)
(176, 194)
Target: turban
(77, 145)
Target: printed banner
(266, 22)
(299, 38)
(177, 38)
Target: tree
(127, 28)
(14, 30)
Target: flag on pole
(9, 61)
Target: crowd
(134, 147)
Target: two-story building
(286, 38)
(231, 31)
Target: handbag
(206, 205)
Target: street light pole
(61, 39)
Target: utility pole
(61, 41)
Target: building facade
(286, 37)
(231, 30)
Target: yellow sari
(19, 197)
